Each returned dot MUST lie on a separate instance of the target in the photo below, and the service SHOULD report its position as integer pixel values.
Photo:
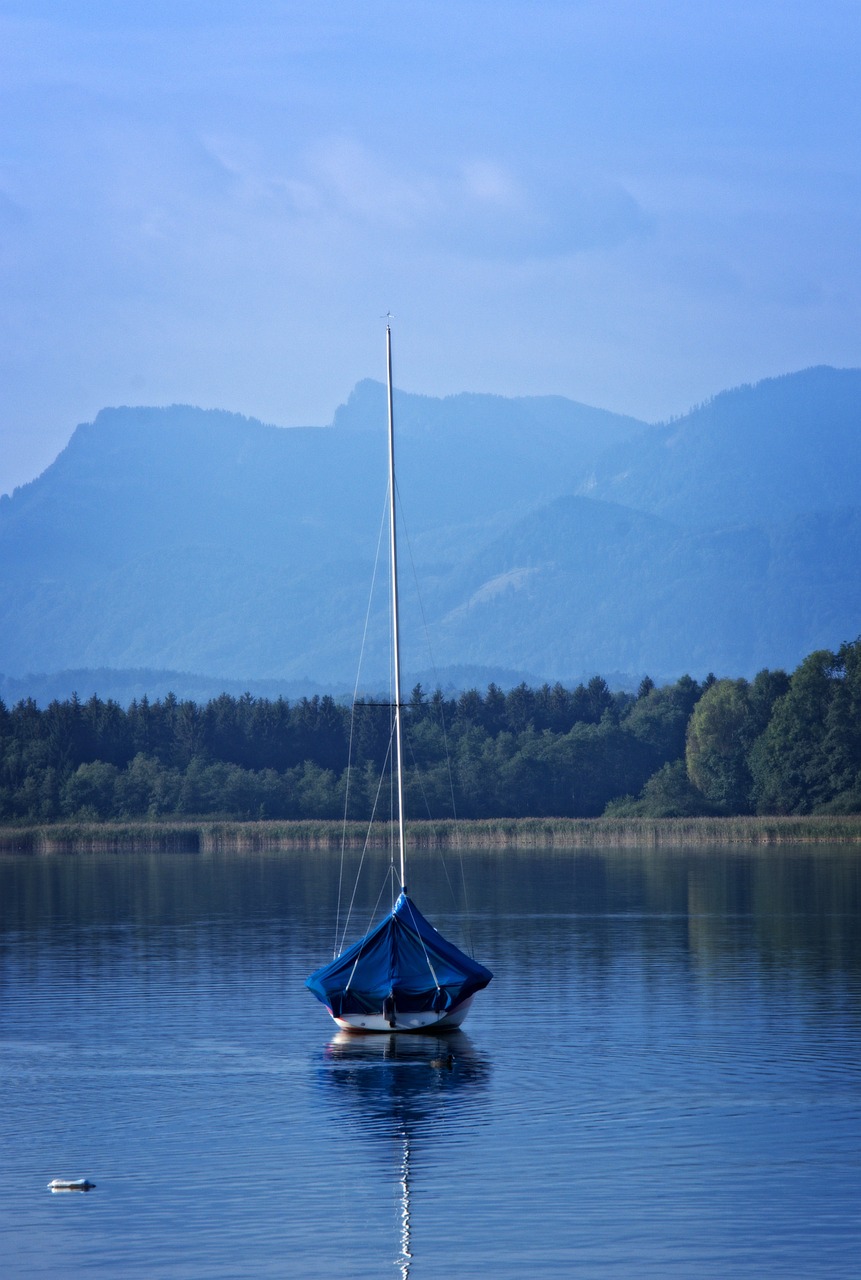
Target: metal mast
(399, 751)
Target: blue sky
(635, 203)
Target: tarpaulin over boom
(404, 958)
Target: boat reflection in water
(406, 1091)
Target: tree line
(776, 744)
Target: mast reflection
(407, 1090)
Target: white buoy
(70, 1184)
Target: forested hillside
(765, 453)
(777, 744)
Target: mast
(406, 1257)
(399, 751)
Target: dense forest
(778, 744)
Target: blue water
(664, 1078)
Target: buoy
(70, 1184)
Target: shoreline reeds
(190, 836)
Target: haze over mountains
(550, 540)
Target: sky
(633, 203)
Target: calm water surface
(664, 1078)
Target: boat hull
(369, 1023)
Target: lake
(663, 1079)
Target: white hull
(371, 1022)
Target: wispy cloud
(479, 207)
(634, 204)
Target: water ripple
(646, 1089)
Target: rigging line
(353, 719)
(457, 834)
(367, 839)
(418, 776)
(424, 948)
(367, 931)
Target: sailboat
(403, 975)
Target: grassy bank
(502, 833)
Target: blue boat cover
(403, 964)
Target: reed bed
(503, 833)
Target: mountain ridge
(550, 537)
(757, 441)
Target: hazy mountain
(204, 542)
(126, 684)
(582, 584)
(137, 480)
(469, 463)
(756, 454)
(207, 542)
